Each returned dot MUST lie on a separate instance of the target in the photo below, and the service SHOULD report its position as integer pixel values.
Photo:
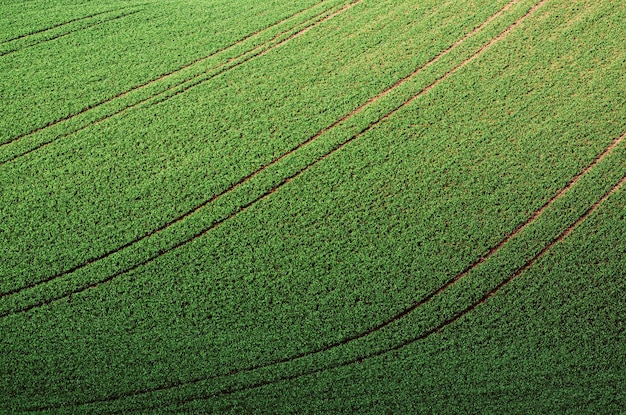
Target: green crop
(312, 206)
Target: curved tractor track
(203, 204)
(531, 262)
(90, 25)
(36, 32)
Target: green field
(313, 206)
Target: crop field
(312, 206)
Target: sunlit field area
(312, 206)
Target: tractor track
(162, 95)
(429, 332)
(62, 24)
(168, 224)
(442, 325)
(422, 336)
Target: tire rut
(5, 53)
(164, 226)
(406, 311)
(61, 24)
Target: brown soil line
(136, 104)
(266, 166)
(69, 33)
(422, 336)
(159, 78)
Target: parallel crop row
(283, 156)
(176, 83)
(77, 71)
(394, 319)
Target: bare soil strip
(441, 289)
(223, 67)
(422, 336)
(161, 77)
(176, 220)
(8, 52)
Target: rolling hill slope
(312, 206)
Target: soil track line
(283, 182)
(223, 67)
(65, 23)
(263, 52)
(422, 336)
(266, 166)
(159, 78)
(424, 300)
(69, 33)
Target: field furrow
(180, 87)
(423, 336)
(57, 25)
(254, 173)
(413, 307)
(162, 78)
(89, 91)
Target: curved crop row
(209, 187)
(283, 156)
(360, 359)
(200, 78)
(35, 32)
(182, 307)
(426, 298)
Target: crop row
(527, 337)
(377, 351)
(50, 37)
(171, 81)
(46, 18)
(283, 156)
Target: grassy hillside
(312, 206)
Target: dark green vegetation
(306, 206)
